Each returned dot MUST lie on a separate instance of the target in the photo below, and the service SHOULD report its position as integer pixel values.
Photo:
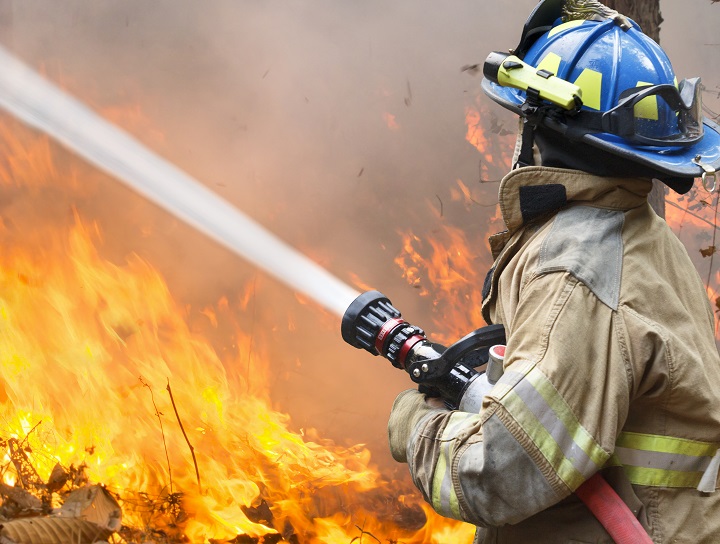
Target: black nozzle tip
(364, 318)
(492, 65)
(357, 308)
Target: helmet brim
(677, 162)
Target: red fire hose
(612, 512)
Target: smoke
(334, 123)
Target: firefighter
(611, 364)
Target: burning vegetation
(121, 423)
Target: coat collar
(535, 191)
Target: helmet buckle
(709, 175)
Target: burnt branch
(192, 449)
(162, 429)
(27, 475)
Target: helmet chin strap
(526, 140)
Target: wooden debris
(58, 478)
(93, 503)
(17, 501)
(51, 530)
(27, 475)
(88, 515)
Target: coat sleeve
(548, 425)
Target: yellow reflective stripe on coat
(662, 461)
(444, 498)
(550, 423)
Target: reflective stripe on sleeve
(444, 498)
(550, 423)
(662, 461)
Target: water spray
(372, 323)
(42, 105)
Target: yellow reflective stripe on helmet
(662, 461)
(550, 423)
(551, 63)
(565, 26)
(444, 498)
(590, 81)
(647, 108)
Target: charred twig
(24, 440)
(363, 532)
(441, 205)
(162, 430)
(481, 179)
(408, 98)
(27, 475)
(472, 69)
(696, 216)
(192, 449)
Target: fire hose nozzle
(372, 323)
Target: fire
(495, 149)
(475, 133)
(105, 375)
(449, 264)
(694, 219)
(449, 267)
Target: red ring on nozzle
(388, 326)
(407, 346)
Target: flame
(496, 150)
(475, 134)
(693, 217)
(448, 266)
(92, 351)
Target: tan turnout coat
(611, 366)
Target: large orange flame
(91, 351)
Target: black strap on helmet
(536, 112)
(541, 20)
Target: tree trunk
(646, 13)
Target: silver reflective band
(665, 461)
(708, 482)
(661, 460)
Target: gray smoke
(282, 107)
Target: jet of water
(42, 105)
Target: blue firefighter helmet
(629, 102)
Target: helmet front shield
(656, 115)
